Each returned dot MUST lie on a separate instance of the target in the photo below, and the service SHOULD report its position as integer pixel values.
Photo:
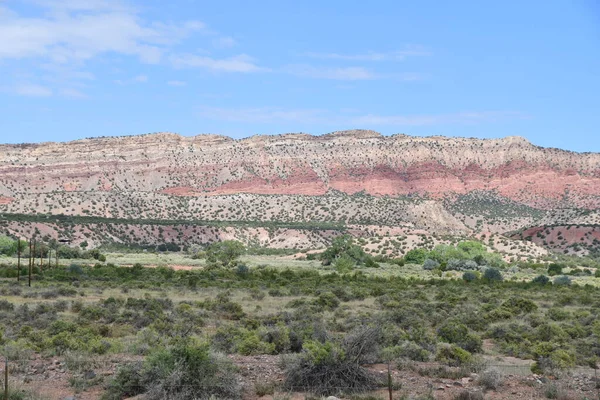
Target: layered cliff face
(350, 176)
(298, 164)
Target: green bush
(519, 305)
(453, 355)
(541, 280)
(186, 371)
(492, 275)
(325, 368)
(470, 276)
(225, 253)
(554, 269)
(562, 280)
(416, 256)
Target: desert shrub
(554, 390)
(554, 269)
(224, 253)
(6, 305)
(126, 383)
(519, 305)
(430, 264)
(19, 352)
(470, 276)
(469, 395)
(454, 332)
(264, 388)
(490, 379)
(453, 355)
(409, 350)
(344, 263)
(557, 314)
(416, 256)
(541, 280)
(186, 371)
(551, 359)
(324, 368)
(278, 336)
(562, 280)
(75, 269)
(371, 263)
(242, 270)
(492, 275)
(344, 253)
(327, 301)
(257, 294)
(250, 344)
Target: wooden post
(5, 378)
(30, 255)
(597, 381)
(49, 258)
(390, 380)
(56, 255)
(18, 259)
(32, 263)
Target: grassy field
(172, 305)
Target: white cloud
(239, 63)
(352, 117)
(336, 73)
(78, 30)
(32, 90)
(409, 51)
(133, 80)
(224, 42)
(72, 93)
(176, 83)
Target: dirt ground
(51, 379)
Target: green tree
(554, 269)
(343, 247)
(225, 253)
(8, 246)
(416, 256)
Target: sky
(72, 69)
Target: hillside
(440, 185)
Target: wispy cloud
(224, 42)
(76, 31)
(353, 117)
(32, 90)
(176, 83)
(73, 93)
(239, 63)
(134, 80)
(336, 73)
(347, 73)
(399, 55)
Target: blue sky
(80, 68)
